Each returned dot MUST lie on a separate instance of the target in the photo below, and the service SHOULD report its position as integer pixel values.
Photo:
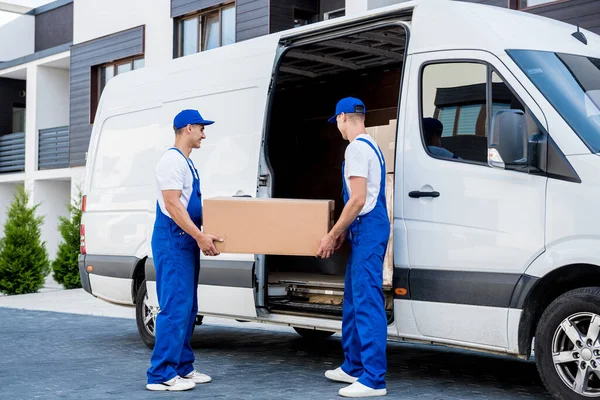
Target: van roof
(435, 25)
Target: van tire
(313, 334)
(578, 307)
(140, 315)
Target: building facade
(56, 59)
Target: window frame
(96, 78)
(490, 70)
(516, 5)
(201, 16)
(327, 15)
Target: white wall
(52, 197)
(94, 19)
(354, 7)
(7, 191)
(52, 97)
(382, 3)
(17, 35)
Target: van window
(571, 83)
(456, 116)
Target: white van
(492, 246)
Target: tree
(65, 266)
(23, 258)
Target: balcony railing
(53, 151)
(12, 152)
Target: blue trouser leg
(369, 311)
(186, 363)
(175, 269)
(350, 341)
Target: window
(206, 30)
(18, 119)
(104, 73)
(334, 14)
(303, 17)
(457, 114)
(532, 3)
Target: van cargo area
(305, 152)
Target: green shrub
(65, 266)
(23, 258)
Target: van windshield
(571, 84)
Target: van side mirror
(507, 143)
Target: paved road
(49, 355)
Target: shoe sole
(376, 393)
(201, 382)
(336, 378)
(164, 388)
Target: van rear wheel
(145, 316)
(567, 346)
(313, 334)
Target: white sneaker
(339, 375)
(357, 389)
(198, 377)
(176, 384)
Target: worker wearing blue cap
(176, 238)
(364, 220)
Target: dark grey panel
(227, 273)
(400, 280)
(53, 149)
(12, 152)
(217, 273)
(112, 266)
(461, 287)
(498, 3)
(252, 19)
(84, 56)
(35, 56)
(331, 5)
(10, 94)
(54, 27)
(586, 13)
(49, 7)
(181, 7)
(83, 274)
(522, 290)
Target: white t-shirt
(173, 173)
(362, 161)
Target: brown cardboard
(385, 137)
(268, 226)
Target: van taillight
(82, 239)
(83, 203)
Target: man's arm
(181, 217)
(358, 188)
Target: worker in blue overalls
(364, 220)
(176, 238)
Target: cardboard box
(385, 137)
(268, 226)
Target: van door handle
(416, 194)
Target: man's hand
(207, 245)
(340, 241)
(328, 244)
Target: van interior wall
(306, 152)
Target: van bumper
(84, 275)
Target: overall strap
(379, 156)
(188, 161)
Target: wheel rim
(576, 353)
(149, 316)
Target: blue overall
(177, 262)
(364, 323)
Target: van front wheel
(313, 334)
(567, 346)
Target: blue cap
(348, 105)
(189, 117)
